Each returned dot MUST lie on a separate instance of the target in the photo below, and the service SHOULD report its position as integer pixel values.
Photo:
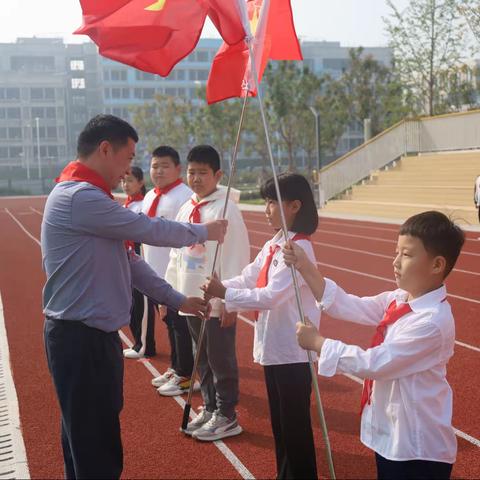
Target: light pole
(37, 124)
(319, 158)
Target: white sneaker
(217, 427)
(131, 353)
(164, 378)
(201, 419)
(176, 386)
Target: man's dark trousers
(87, 369)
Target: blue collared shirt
(89, 274)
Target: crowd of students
(406, 403)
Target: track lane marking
(353, 235)
(365, 252)
(458, 432)
(227, 453)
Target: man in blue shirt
(87, 296)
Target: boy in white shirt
(187, 271)
(406, 400)
(164, 200)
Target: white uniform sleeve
(344, 306)
(278, 290)
(413, 349)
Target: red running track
(355, 254)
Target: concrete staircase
(440, 181)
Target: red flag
(154, 35)
(227, 16)
(274, 38)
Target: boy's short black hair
(205, 154)
(294, 186)
(439, 235)
(166, 151)
(104, 128)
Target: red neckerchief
(391, 315)
(138, 197)
(152, 211)
(262, 280)
(195, 213)
(77, 171)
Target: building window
(144, 93)
(78, 83)
(32, 64)
(38, 112)
(36, 93)
(3, 113)
(202, 56)
(107, 93)
(182, 92)
(52, 132)
(116, 92)
(12, 94)
(50, 112)
(118, 75)
(172, 92)
(3, 152)
(77, 65)
(13, 113)
(125, 93)
(14, 133)
(16, 152)
(180, 74)
(145, 76)
(49, 94)
(3, 132)
(106, 75)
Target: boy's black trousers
(86, 365)
(412, 469)
(289, 387)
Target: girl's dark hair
(137, 172)
(439, 235)
(294, 186)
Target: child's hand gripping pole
(188, 404)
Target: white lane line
(322, 230)
(36, 211)
(377, 277)
(459, 433)
(364, 252)
(14, 463)
(229, 455)
(466, 345)
(21, 226)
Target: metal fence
(458, 131)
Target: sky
(351, 22)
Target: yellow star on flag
(254, 20)
(157, 6)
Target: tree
(166, 121)
(290, 92)
(217, 124)
(427, 38)
(373, 91)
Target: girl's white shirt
(275, 340)
(136, 207)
